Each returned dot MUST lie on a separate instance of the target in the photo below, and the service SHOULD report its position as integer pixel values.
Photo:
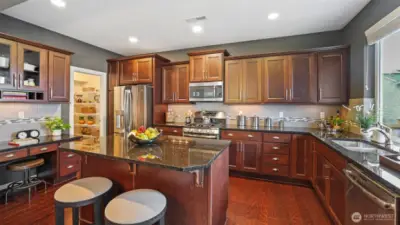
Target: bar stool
(80, 193)
(28, 182)
(137, 207)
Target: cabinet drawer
(276, 170)
(277, 137)
(276, 148)
(43, 149)
(275, 159)
(177, 131)
(68, 155)
(17, 154)
(241, 135)
(70, 166)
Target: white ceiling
(161, 25)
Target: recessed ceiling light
(133, 39)
(59, 3)
(273, 16)
(197, 29)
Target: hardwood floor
(251, 202)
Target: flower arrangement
(365, 118)
(56, 125)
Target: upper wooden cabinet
(176, 84)
(302, 78)
(333, 76)
(112, 74)
(207, 65)
(276, 79)
(8, 64)
(136, 71)
(243, 81)
(59, 77)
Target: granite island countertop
(43, 140)
(172, 152)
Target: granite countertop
(5, 147)
(173, 152)
(367, 161)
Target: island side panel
(218, 189)
(117, 171)
(186, 203)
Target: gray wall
(267, 45)
(362, 55)
(86, 55)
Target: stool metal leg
(29, 190)
(161, 221)
(59, 215)
(98, 218)
(75, 215)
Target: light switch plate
(21, 114)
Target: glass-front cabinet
(22, 66)
(8, 64)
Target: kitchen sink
(356, 146)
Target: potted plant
(365, 119)
(56, 125)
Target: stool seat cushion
(28, 164)
(135, 206)
(83, 189)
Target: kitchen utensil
(255, 121)
(268, 122)
(29, 67)
(170, 117)
(206, 120)
(4, 62)
(2, 80)
(281, 123)
(188, 120)
(31, 82)
(241, 120)
(78, 98)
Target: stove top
(203, 126)
(202, 130)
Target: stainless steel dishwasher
(367, 201)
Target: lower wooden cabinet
(175, 131)
(234, 155)
(301, 157)
(245, 156)
(70, 163)
(337, 195)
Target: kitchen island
(192, 173)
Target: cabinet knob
(175, 131)
(70, 155)
(230, 135)
(275, 158)
(10, 155)
(275, 148)
(275, 169)
(70, 166)
(250, 136)
(43, 149)
(275, 137)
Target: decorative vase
(56, 132)
(366, 135)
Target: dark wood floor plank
(251, 202)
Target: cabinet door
(8, 64)
(143, 70)
(197, 68)
(126, 72)
(110, 112)
(112, 73)
(251, 156)
(59, 77)
(332, 77)
(214, 67)
(234, 155)
(182, 83)
(168, 84)
(301, 157)
(252, 81)
(276, 84)
(337, 193)
(303, 78)
(233, 81)
(320, 175)
(33, 67)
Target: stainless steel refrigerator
(133, 107)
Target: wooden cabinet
(176, 84)
(234, 155)
(243, 81)
(8, 65)
(59, 77)
(337, 194)
(301, 157)
(250, 153)
(112, 74)
(136, 71)
(319, 178)
(333, 76)
(302, 78)
(207, 65)
(276, 79)
(166, 130)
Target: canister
(241, 120)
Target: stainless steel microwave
(206, 92)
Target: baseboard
(269, 178)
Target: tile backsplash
(10, 112)
(298, 111)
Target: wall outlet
(322, 115)
(280, 114)
(21, 115)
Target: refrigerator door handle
(126, 111)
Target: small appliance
(206, 92)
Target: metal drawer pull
(70, 166)
(276, 148)
(70, 155)
(175, 131)
(275, 159)
(275, 169)
(275, 137)
(230, 135)
(9, 155)
(250, 136)
(43, 149)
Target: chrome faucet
(388, 138)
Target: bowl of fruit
(144, 136)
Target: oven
(206, 92)
(368, 202)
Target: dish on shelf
(88, 89)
